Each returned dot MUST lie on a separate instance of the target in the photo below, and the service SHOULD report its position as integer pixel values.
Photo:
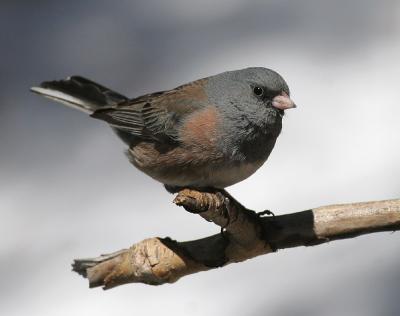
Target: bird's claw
(266, 212)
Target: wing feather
(156, 116)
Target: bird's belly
(216, 176)
(227, 175)
(182, 168)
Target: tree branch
(245, 235)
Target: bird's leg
(227, 200)
(256, 216)
(222, 200)
(228, 209)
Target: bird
(210, 133)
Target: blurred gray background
(67, 191)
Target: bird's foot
(265, 212)
(274, 225)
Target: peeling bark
(245, 235)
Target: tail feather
(79, 93)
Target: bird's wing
(156, 116)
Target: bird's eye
(258, 91)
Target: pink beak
(283, 102)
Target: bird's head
(257, 94)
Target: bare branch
(246, 235)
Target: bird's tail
(79, 93)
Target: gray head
(251, 103)
(266, 78)
(257, 94)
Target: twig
(246, 235)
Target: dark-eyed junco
(210, 133)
